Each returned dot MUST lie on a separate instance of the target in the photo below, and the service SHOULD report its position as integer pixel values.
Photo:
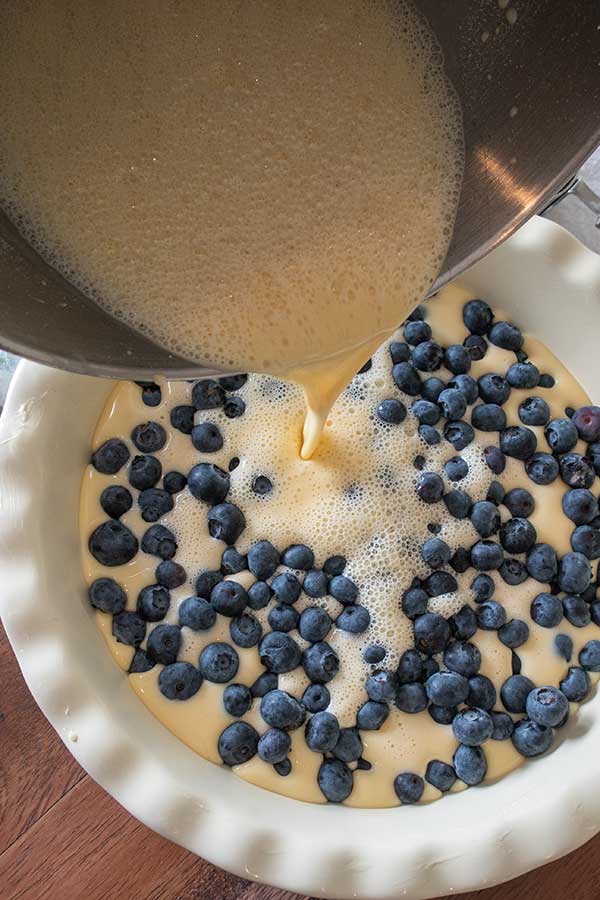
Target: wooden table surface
(63, 838)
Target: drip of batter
(265, 187)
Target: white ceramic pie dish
(551, 285)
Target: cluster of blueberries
(440, 673)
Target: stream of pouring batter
(263, 187)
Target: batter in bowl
(428, 546)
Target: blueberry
(442, 715)
(207, 437)
(576, 685)
(153, 602)
(595, 611)
(456, 468)
(154, 503)
(411, 698)
(514, 693)
(574, 573)
(432, 388)
(425, 412)
(409, 787)
(226, 522)
(399, 352)
(561, 435)
(228, 598)
(334, 565)
(494, 459)
(182, 418)
(428, 356)
(502, 726)
(490, 615)
(436, 553)
(547, 706)
(477, 316)
(517, 535)
(580, 506)
(586, 540)
(392, 412)
(116, 500)
(284, 767)
(488, 417)
(208, 483)
(335, 780)
(374, 653)
(140, 662)
(447, 688)
(149, 437)
(523, 375)
(354, 618)
(263, 684)
(514, 633)
(483, 587)
(281, 710)
(518, 442)
(460, 560)
(233, 562)
(530, 739)
(432, 633)
(470, 763)
(417, 332)
(462, 657)
(170, 574)
(298, 556)
(593, 453)
(174, 482)
(546, 610)
(482, 693)
(430, 667)
(576, 471)
(110, 456)
(472, 726)
(197, 613)
(519, 502)
(486, 556)
(382, 686)
(542, 468)
(343, 589)
(513, 572)
(542, 563)
(163, 644)
(587, 422)
(207, 394)
(263, 559)
(279, 653)
(107, 596)
(316, 698)
(534, 411)
(467, 386)
(463, 623)
(495, 493)
(476, 346)
(349, 747)
(237, 743)
(493, 389)
(179, 681)
(262, 485)
(206, 581)
(315, 583)
(322, 732)
(245, 630)
(439, 583)
(233, 382)
(453, 403)
(234, 407)
(283, 618)
(151, 393)
(320, 662)
(417, 315)
(460, 434)
(406, 378)
(506, 336)
(589, 656)
(414, 602)
(113, 544)
(274, 745)
(441, 775)
(457, 359)
(563, 644)
(485, 518)
(286, 587)
(430, 487)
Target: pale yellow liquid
(266, 187)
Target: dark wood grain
(63, 838)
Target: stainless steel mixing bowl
(530, 93)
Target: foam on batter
(260, 186)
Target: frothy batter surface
(280, 162)
(357, 497)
